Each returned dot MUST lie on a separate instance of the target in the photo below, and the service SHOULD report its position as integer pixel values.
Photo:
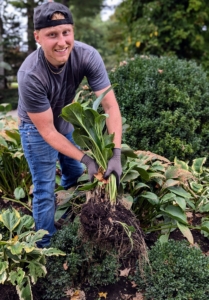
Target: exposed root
(113, 225)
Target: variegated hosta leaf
(3, 266)
(16, 248)
(3, 277)
(26, 222)
(32, 239)
(178, 190)
(52, 251)
(16, 277)
(181, 164)
(196, 187)
(197, 165)
(24, 289)
(10, 219)
(36, 270)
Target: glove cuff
(86, 159)
(116, 152)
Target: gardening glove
(114, 166)
(91, 165)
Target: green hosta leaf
(3, 142)
(186, 232)
(181, 164)
(190, 203)
(37, 270)
(24, 289)
(5, 107)
(151, 197)
(131, 175)
(181, 202)
(19, 193)
(99, 99)
(176, 213)
(143, 173)
(169, 183)
(139, 186)
(128, 152)
(198, 164)
(163, 238)
(167, 198)
(88, 186)
(73, 113)
(204, 208)
(196, 187)
(16, 277)
(14, 136)
(10, 219)
(179, 191)
(205, 226)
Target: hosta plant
(15, 177)
(159, 193)
(21, 262)
(199, 188)
(103, 217)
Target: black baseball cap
(43, 14)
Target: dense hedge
(175, 271)
(166, 103)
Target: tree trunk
(30, 29)
(1, 57)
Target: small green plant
(21, 262)
(175, 271)
(85, 262)
(15, 177)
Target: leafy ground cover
(124, 288)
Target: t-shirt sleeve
(96, 72)
(32, 93)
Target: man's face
(57, 43)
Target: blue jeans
(42, 158)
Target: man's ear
(36, 35)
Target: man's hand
(114, 166)
(91, 165)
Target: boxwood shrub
(166, 103)
(176, 271)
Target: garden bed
(124, 288)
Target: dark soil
(104, 223)
(123, 289)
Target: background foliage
(165, 102)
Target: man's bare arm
(114, 121)
(44, 124)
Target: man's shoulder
(31, 62)
(80, 46)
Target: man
(47, 81)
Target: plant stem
(17, 201)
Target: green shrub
(84, 263)
(165, 102)
(176, 271)
(9, 96)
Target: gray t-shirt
(40, 89)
